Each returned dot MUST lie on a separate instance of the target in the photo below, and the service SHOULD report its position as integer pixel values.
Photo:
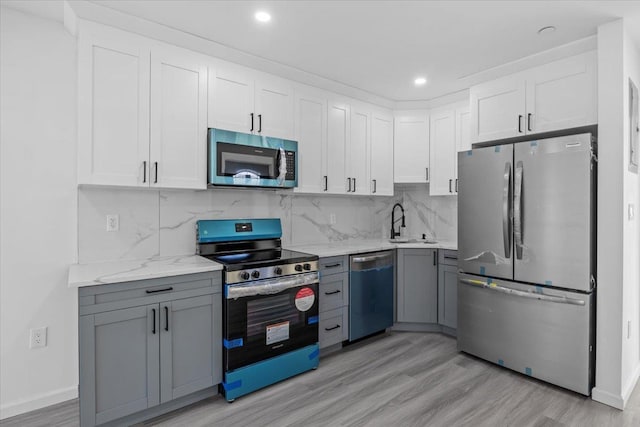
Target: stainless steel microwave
(242, 159)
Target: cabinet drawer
(334, 291)
(114, 296)
(333, 265)
(448, 257)
(333, 327)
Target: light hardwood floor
(396, 379)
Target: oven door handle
(270, 286)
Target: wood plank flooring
(396, 379)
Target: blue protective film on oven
(312, 320)
(228, 230)
(238, 342)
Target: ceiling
(380, 47)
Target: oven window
(245, 161)
(268, 311)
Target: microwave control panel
(290, 157)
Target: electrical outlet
(113, 222)
(38, 337)
(332, 219)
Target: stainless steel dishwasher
(370, 293)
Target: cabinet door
(190, 345)
(448, 296)
(358, 161)
(498, 109)
(231, 97)
(417, 286)
(442, 145)
(311, 133)
(463, 137)
(381, 173)
(411, 148)
(562, 94)
(338, 135)
(119, 363)
(274, 107)
(178, 119)
(113, 109)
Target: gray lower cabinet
(333, 327)
(448, 289)
(147, 343)
(417, 285)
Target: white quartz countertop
(126, 271)
(359, 246)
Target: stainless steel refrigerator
(526, 255)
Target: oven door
(270, 317)
(251, 160)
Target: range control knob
(245, 275)
(298, 267)
(255, 274)
(277, 270)
(307, 267)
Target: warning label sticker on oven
(277, 332)
(305, 299)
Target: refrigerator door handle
(506, 210)
(530, 295)
(517, 210)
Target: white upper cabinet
(113, 109)
(244, 100)
(178, 118)
(142, 111)
(449, 135)
(562, 94)
(381, 172)
(231, 95)
(311, 134)
(274, 107)
(443, 148)
(358, 161)
(497, 109)
(558, 95)
(411, 147)
(338, 138)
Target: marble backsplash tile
(162, 222)
(138, 236)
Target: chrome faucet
(393, 220)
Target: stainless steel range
(270, 306)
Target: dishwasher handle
(371, 261)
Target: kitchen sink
(401, 240)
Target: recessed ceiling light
(420, 81)
(262, 16)
(546, 30)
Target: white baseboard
(43, 400)
(631, 384)
(607, 398)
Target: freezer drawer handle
(530, 295)
(506, 210)
(517, 214)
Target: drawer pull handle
(155, 291)
(332, 265)
(450, 257)
(332, 328)
(337, 291)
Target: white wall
(618, 257)
(630, 233)
(37, 211)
